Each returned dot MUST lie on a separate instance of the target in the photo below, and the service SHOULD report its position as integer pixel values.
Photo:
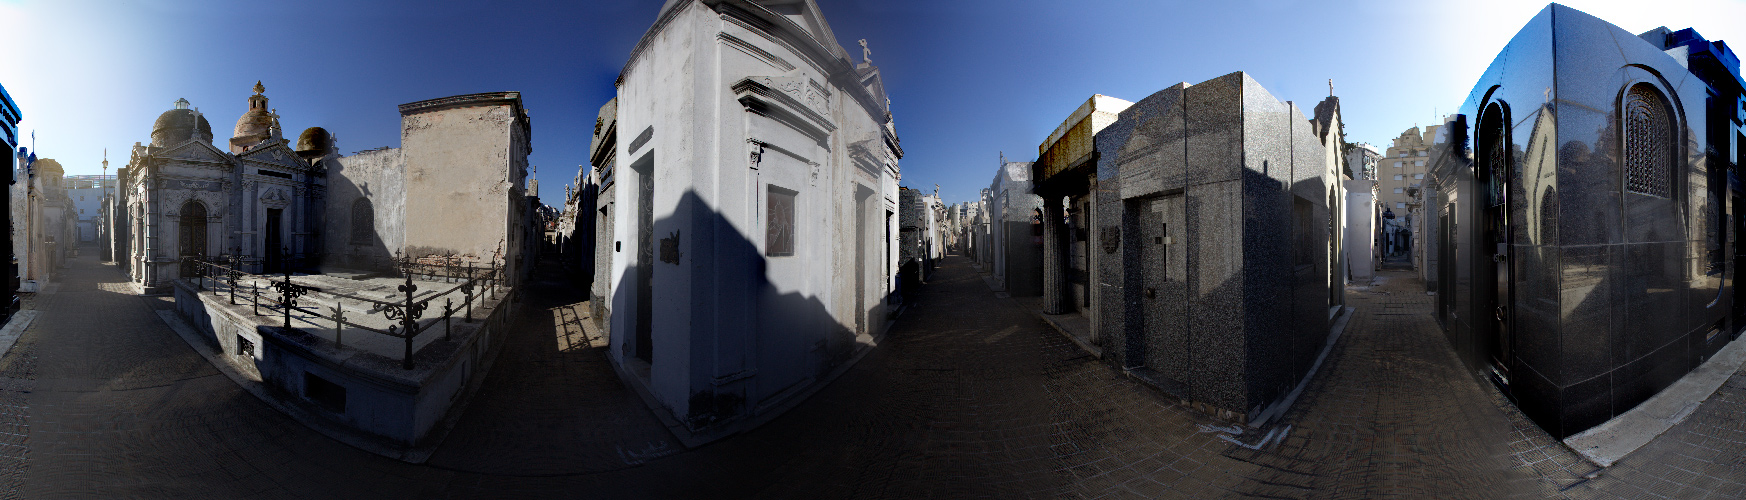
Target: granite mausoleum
(1585, 214)
(9, 117)
(1218, 213)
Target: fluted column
(1055, 300)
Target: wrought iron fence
(471, 283)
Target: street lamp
(105, 212)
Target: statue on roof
(866, 53)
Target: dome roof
(180, 124)
(257, 124)
(315, 139)
(254, 124)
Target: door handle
(1151, 293)
(1501, 312)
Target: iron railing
(470, 282)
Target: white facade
(753, 237)
(1360, 230)
(86, 194)
(43, 231)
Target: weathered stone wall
(378, 178)
(464, 174)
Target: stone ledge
(15, 327)
(395, 404)
(1611, 441)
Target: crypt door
(191, 235)
(1493, 176)
(274, 250)
(1157, 345)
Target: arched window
(363, 222)
(1647, 126)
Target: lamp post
(105, 211)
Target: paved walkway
(970, 396)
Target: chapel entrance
(1157, 292)
(274, 249)
(191, 236)
(1494, 175)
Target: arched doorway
(191, 235)
(1493, 175)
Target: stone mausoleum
(1584, 210)
(1014, 251)
(429, 238)
(184, 197)
(1216, 241)
(754, 227)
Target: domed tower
(256, 125)
(180, 124)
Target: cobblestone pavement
(969, 396)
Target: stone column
(1055, 296)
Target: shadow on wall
(349, 205)
(724, 335)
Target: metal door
(191, 235)
(645, 262)
(1494, 176)
(1159, 262)
(274, 245)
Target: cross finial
(866, 53)
(259, 88)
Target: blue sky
(968, 79)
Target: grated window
(1648, 143)
(363, 222)
(779, 225)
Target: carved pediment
(277, 155)
(194, 151)
(275, 198)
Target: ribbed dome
(180, 124)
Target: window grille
(779, 222)
(1647, 143)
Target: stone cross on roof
(866, 53)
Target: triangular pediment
(276, 154)
(195, 150)
(806, 15)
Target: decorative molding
(512, 99)
(765, 145)
(760, 95)
(642, 138)
(754, 51)
(275, 198)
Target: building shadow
(721, 337)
